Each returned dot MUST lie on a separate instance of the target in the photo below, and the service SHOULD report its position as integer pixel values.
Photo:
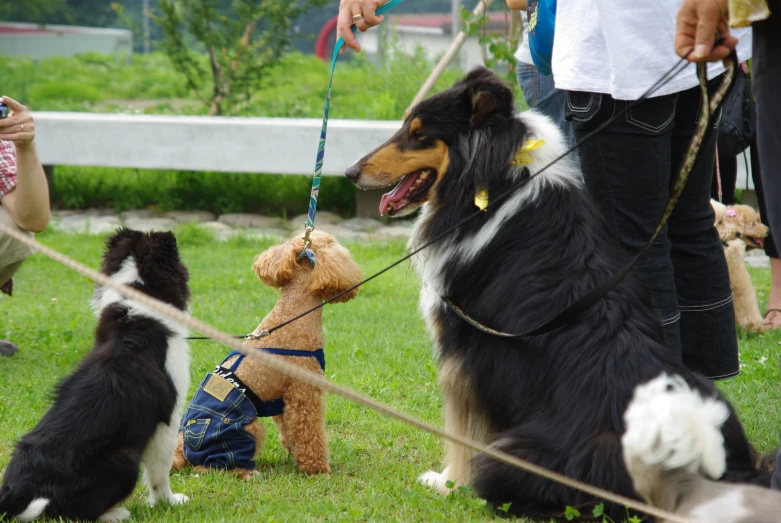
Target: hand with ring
(358, 12)
(19, 126)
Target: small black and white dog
(122, 404)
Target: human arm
(516, 5)
(348, 10)
(698, 24)
(28, 202)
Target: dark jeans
(766, 79)
(629, 169)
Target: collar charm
(481, 199)
(522, 156)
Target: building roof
(443, 20)
(39, 29)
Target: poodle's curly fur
(302, 424)
(740, 228)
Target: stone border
(226, 226)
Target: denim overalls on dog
(213, 426)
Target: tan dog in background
(740, 229)
(302, 422)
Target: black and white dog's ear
(489, 97)
(166, 244)
(115, 239)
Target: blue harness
(213, 426)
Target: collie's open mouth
(408, 188)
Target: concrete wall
(433, 41)
(252, 145)
(38, 42)
(223, 144)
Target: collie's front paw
(178, 499)
(170, 498)
(436, 481)
(115, 514)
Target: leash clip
(308, 253)
(254, 337)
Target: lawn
(377, 344)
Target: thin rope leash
(310, 378)
(669, 75)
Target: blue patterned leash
(310, 218)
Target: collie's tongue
(398, 192)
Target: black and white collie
(122, 404)
(674, 451)
(556, 399)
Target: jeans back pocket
(585, 110)
(653, 115)
(195, 431)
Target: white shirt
(622, 47)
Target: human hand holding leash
(19, 127)
(698, 23)
(358, 12)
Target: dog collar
(521, 157)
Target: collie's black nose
(353, 172)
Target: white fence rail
(200, 143)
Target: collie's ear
(489, 96)
(334, 273)
(275, 266)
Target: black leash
(583, 302)
(591, 298)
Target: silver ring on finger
(21, 126)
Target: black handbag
(738, 118)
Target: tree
(97, 13)
(242, 41)
(31, 10)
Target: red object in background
(324, 45)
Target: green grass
(377, 344)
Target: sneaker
(7, 348)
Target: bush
(66, 91)
(125, 189)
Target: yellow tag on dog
(522, 157)
(481, 199)
(218, 387)
(743, 13)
